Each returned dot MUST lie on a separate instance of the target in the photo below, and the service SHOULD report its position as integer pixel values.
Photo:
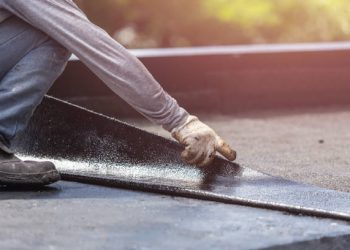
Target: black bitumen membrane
(92, 148)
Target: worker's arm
(114, 65)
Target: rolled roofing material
(92, 148)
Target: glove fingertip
(227, 151)
(176, 136)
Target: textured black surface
(93, 148)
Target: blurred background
(182, 23)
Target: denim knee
(62, 54)
(59, 54)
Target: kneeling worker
(37, 38)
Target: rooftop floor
(309, 146)
(79, 216)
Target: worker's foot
(15, 172)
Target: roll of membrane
(92, 148)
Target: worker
(37, 38)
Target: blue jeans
(30, 62)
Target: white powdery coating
(125, 171)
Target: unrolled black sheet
(93, 148)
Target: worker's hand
(201, 143)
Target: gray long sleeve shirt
(122, 72)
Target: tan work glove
(201, 143)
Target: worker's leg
(122, 72)
(30, 61)
(29, 64)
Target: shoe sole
(40, 179)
